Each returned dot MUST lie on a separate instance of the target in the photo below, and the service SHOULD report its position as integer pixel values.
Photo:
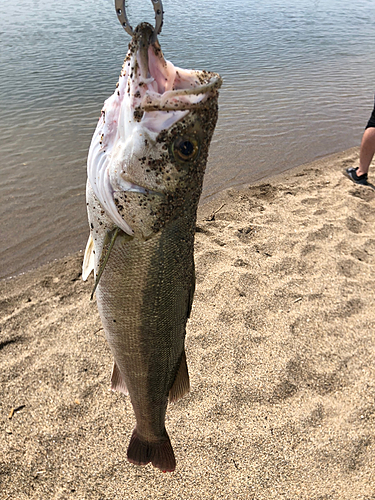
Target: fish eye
(185, 148)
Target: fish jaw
(152, 95)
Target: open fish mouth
(151, 96)
(157, 84)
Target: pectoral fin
(117, 382)
(104, 257)
(88, 260)
(181, 384)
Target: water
(298, 84)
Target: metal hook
(122, 17)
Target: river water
(299, 78)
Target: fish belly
(144, 299)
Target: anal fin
(181, 384)
(117, 381)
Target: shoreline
(280, 348)
(202, 209)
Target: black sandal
(358, 179)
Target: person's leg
(367, 151)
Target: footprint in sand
(12, 340)
(308, 249)
(322, 382)
(354, 225)
(315, 418)
(362, 256)
(345, 310)
(347, 268)
(366, 212)
(327, 231)
(347, 454)
(311, 201)
(364, 193)
(247, 282)
(205, 261)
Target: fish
(145, 170)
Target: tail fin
(159, 453)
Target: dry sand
(280, 347)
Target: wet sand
(280, 348)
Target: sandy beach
(280, 349)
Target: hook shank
(123, 18)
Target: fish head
(153, 135)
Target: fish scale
(144, 316)
(145, 166)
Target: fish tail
(159, 453)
